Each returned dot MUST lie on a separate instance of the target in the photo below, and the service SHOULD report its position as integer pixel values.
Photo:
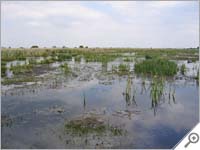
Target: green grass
(64, 56)
(99, 57)
(97, 54)
(14, 80)
(47, 61)
(27, 68)
(160, 67)
(127, 59)
(123, 68)
(3, 69)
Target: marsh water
(34, 114)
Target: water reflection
(125, 106)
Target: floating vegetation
(156, 67)
(15, 80)
(91, 125)
(183, 69)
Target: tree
(34, 46)
(53, 46)
(81, 46)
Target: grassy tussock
(156, 67)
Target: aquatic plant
(3, 69)
(78, 58)
(16, 80)
(128, 59)
(114, 69)
(99, 57)
(63, 56)
(65, 68)
(21, 69)
(104, 66)
(84, 101)
(123, 68)
(197, 77)
(183, 69)
(148, 57)
(91, 125)
(128, 91)
(161, 67)
(157, 89)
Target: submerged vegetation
(156, 67)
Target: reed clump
(162, 67)
(183, 69)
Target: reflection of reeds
(84, 101)
(172, 94)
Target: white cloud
(128, 24)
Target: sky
(156, 24)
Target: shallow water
(35, 114)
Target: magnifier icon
(193, 138)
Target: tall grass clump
(183, 69)
(162, 67)
(3, 69)
(157, 91)
(123, 68)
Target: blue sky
(100, 24)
